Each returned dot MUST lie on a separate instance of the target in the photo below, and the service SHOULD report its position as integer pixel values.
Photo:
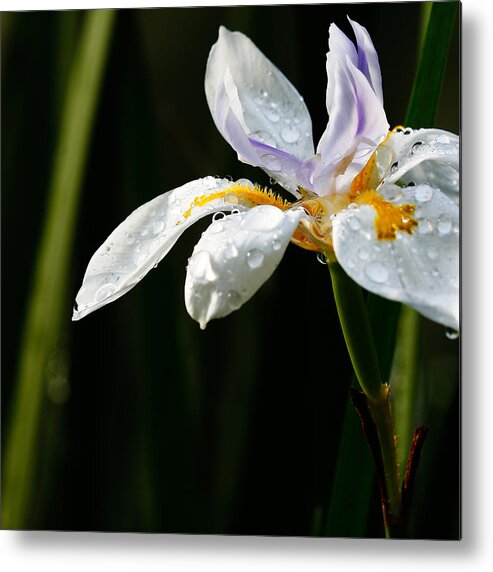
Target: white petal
(426, 156)
(142, 240)
(234, 257)
(257, 110)
(422, 269)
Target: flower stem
(355, 325)
(375, 411)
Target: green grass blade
(431, 68)
(48, 310)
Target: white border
(53, 552)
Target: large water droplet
(234, 299)
(354, 223)
(290, 134)
(416, 146)
(451, 334)
(245, 183)
(104, 291)
(232, 199)
(255, 258)
(218, 216)
(271, 162)
(444, 224)
(423, 194)
(377, 272)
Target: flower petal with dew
(385, 204)
(234, 257)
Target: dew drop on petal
(432, 253)
(416, 146)
(354, 223)
(377, 272)
(321, 258)
(451, 334)
(234, 299)
(255, 258)
(218, 216)
(157, 225)
(444, 224)
(290, 134)
(363, 253)
(276, 244)
(271, 162)
(272, 115)
(231, 198)
(104, 291)
(245, 183)
(423, 194)
(264, 137)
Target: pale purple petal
(368, 59)
(357, 120)
(252, 103)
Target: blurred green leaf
(48, 309)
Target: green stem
(47, 305)
(381, 413)
(358, 336)
(355, 324)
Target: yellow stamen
(390, 218)
(240, 193)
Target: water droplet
(321, 258)
(272, 115)
(435, 273)
(104, 291)
(432, 253)
(451, 334)
(290, 134)
(271, 162)
(377, 272)
(354, 223)
(144, 232)
(202, 268)
(218, 216)
(276, 244)
(408, 131)
(245, 183)
(394, 167)
(411, 184)
(255, 258)
(423, 194)
(234, 299)
(444, 224)
(231, 198)
(157, 225)
(264, 137)
(442, 139)
(416, 146)
(76, 307)
(363, 253)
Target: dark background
(159, 426)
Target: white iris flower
(383, 203)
